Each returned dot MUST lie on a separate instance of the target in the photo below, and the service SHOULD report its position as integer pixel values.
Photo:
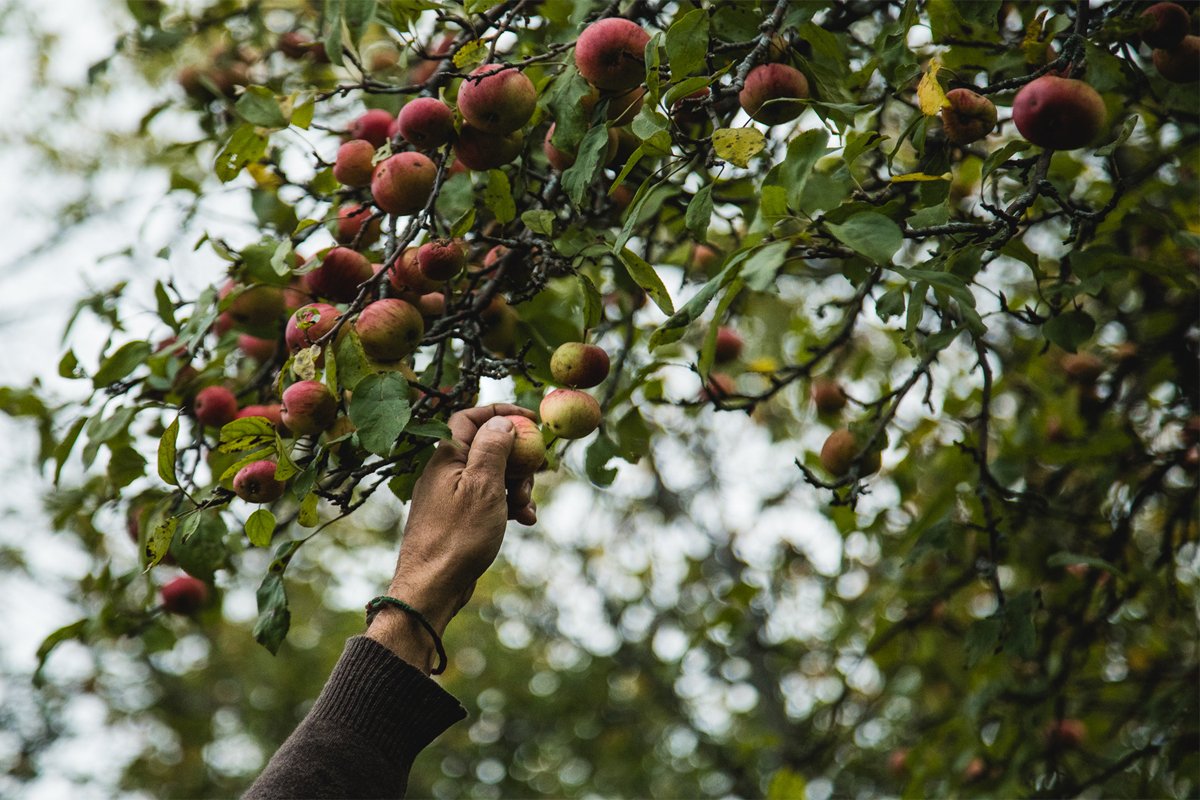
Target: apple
(841, 450)
(426, 122)
(610, 54)
(827, 395)
(1083, 368)
(442, 259)
(259, 349)
(309, 324)
(403, 183)
(771, 93)
(1169, 23)
(718, 387)
(569, 413)
(499, 333)
(256, 483)
(432, 305)
(372, 126)
(579, 365)
(689, 109)
(406, 275)
(622, 106)
(272, 412)
(340, 274)
(256, 309)
(184, 595)
(969, 117)
(390, 329)
(481, 151)
(350, 221)
(705, 258)
(214, 406)
(308, 407)
(424, 70)
(1065, 733)
(294, 44)
(353, 165)
(1181, 63)
(528, 451)
(1058, 113)
(497, 99)
(729, 345)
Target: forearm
(375, 714)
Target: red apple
(340, 274)
(570, 414)
(772, 92)
(1169, 23)
(308, 407)
(184, 595)
(729, 345)
(351, 219)
(372, 126)
(610, 54)
(256, 483)
(390, 329)
(214, 406)
(1058, 113)
(840, 452)
(309, 324)
(353, 166)
(528, 451)
(403, 183)
(442, 259)
(1180, 64)
(579, 365)
(481, 151)
(497, 99)
(969, 117)
(426, 122)
(827, 396)
(259, 349)
(561, 160)
(406, 275)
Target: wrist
(405, 637)
(436, 603)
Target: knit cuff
(384, 698)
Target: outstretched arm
(379, 707)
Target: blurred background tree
(1007, 609)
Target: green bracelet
(378, 603)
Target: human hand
(456, 521)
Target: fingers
(465, 424)
(490, 447)
(527, 515)
(520, 503)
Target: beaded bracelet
(378, 603)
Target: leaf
(471, 54)
(333, 30)
(1065, 559)
(738, 145)
(644, 276)
(914, 177)
(1126, 131)
(245, 144)
(307, 517)
(464, 223)
(930, 96)
(274, 618)
(803, 152)
(1069, 329)
(762, 266)
(164, 306)
(76, 630)
(593, 304)
(260, 527)
(599, 454)
(998, 157)
(672, 330)
(699, 213)
(358, 15)
(246, 433)
(709, 349)
(687, 43)
(870, 233)
(430, 429)
(497, 196)
(258, 106)
(588, 162)
(166, 454)
(159, 541)
(983, 637)
(63, 449)
(380, 411)
(539, 222)
(123, 361)
(786, 785)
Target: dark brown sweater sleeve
(374, 715)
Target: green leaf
(164, 306)
(464, 223)
(644, 276)
(63, 449)
(803, 152)
(687, 43)
(498, 197)
(564, 103)
(673, 329)
(307, 517)
(709, 349)
(245, 145)
(258, 106)
(1069, 329)
(76, 630)
(983, 637)
(358, 15)
(599, 454)
(699, 213)
(380, 411)
(166, 453)
(159, 541)
(999, 157)
(333, 30)
(1065, 559)
(539, 222)
(285, 468)
(786, 785)
(68, 366)
(246, 433)
(870, 233)
(125, 360)
(761, 267)
(1126, 131)
(593, 304)
(260, 527)
(430, 429)
(471, 54)
(738, 145)
(588, 162)
(274, 618)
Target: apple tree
(864, 340)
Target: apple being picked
(528, 450)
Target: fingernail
(499, 424)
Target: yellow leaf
(304, 365)
(470, 54)
(263, 176)
(929, 92)
(918, 176)
(738, 145)
(764, 365)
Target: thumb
(490, 448)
